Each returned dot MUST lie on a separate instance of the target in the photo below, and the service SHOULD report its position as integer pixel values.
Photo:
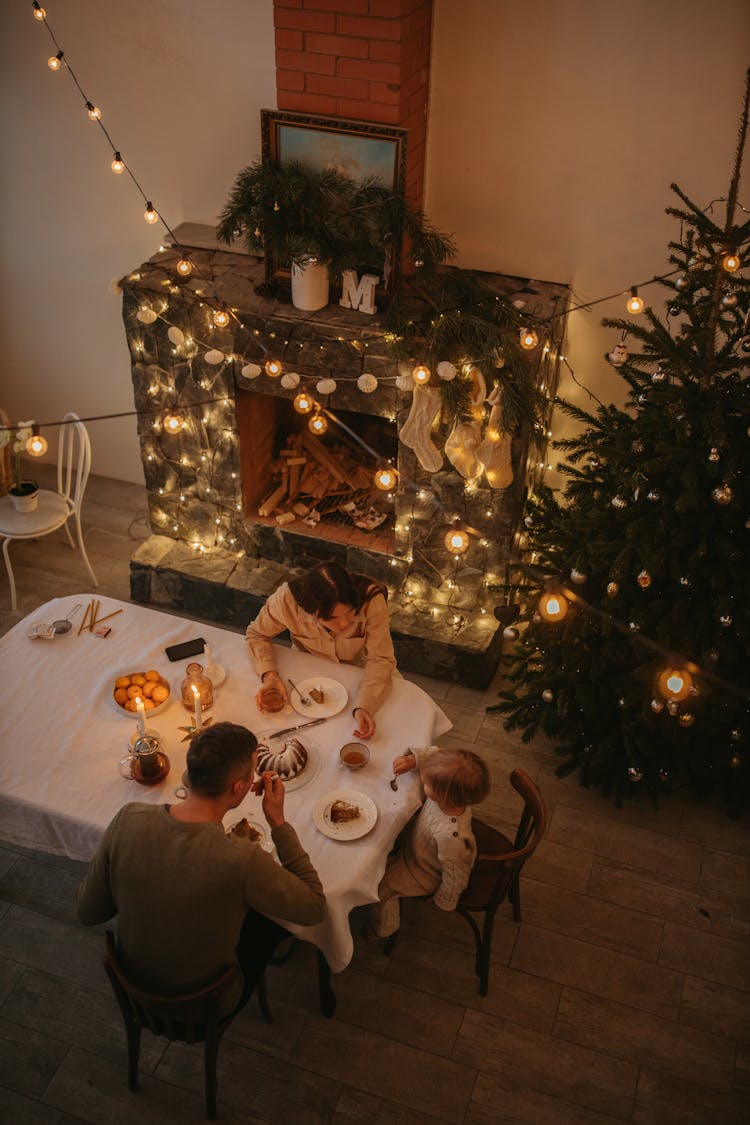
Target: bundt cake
(287, 761)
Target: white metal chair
(54, 509)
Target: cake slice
(342, 811)
(317, 694)
(245, 829)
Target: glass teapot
(146, 763)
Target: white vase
(310, 285)
(24, 501)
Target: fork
(304, 699)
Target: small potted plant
(24, 493)
(323, 222)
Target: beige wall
(555, 131)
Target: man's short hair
(218, 755)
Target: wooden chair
(193, 1018)
(496, 872)
(54, 509)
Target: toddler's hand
(404, 762)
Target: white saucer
(347, 829)
(335, 697)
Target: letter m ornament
(358, 294)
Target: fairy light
(421, 374)
(39, 12)
(317, 424)
(674, 683)
(184, 268)
(457, 541)
(303, 403)
(150, 214)
(55, 62)
(36, 445)
(731, 262)
(385, 479)
(273, 367)
(220, 318)
(118, 164)
(528, 339)
(93, 111)
(635, 303)
(553, 606)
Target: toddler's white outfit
(436, 856)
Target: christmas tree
(635, 599)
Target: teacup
(354, 755)
(272, 700)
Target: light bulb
(385, 479)
(220, 318)
(184, 267)
(149, 214)
(173, 423)
(731, 261)
(118, 164)
(528, 339)
(93, 111)
(273, 367)
(303, 404)
(457, 541)
(635, 303)
(674, 683)
(39, 12)
(36, 445)
(553, 606)
(317, 424)
(421, 373)
(55, 62)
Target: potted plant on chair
(24, 493)
(322, 223)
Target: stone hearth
(209, 554)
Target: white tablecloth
(62, 736)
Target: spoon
(394, 783)
(65, 624)
(304, 699)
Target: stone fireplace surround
(207, 554)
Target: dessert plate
(264, 840)
(312, 766)
(335, 697)
(347, 829)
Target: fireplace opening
(320, 485)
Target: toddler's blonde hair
(456, 777)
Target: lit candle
(140, 715)
(198, 715)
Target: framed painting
(356, 149)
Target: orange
(130, 705)
(148, 704)
(138, 678)
(134, 690)
(120, 695)
(152, 675)
(160, 693)
(122, 681)
(148, 688)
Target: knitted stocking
(461, 446)
(415, 432)
(495, 449)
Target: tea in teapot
(146, 763)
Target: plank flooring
(623, 996)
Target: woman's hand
(365, 723)
(404, 762)
(271, 681)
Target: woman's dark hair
(330, 584)
(216, 754)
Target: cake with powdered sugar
(287, 761)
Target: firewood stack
(311, 480)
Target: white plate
(265, 840)
(335, 696)
(312, 767)
(347, 829)
(110, 690)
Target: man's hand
(271, 681)
(365, 723)
(404, 762)
(273, 799)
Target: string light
(39, 12)
(635, 303)
(675, 683)
(457, 541)
(303, 403)
(528, 339)
(421, 374)
(184, 267)
(273, 367)
(317, 424)
(731, 262)
(55, 62)
(385, 479)
(118, 164)
(150, 214)
(173, 423)
(93, 111)
(553, 606)
(36, 445)
(220, 318)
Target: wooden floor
(621, 997)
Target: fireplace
(220, 543)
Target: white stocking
(462, 444)
(415, 432)
(496, 448)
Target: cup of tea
(354, 755)
(272, 700)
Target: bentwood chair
(54, 509)
(496, 872)
(193, 1018)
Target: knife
(302, 726)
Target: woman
(329, 612)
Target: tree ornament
(735, 735)
(674, 310)
(595, 464)
(325, 386)
(258, 233)
(404, 382)
(722, 495)
(642, 398)
(657, 706)
(250, 371)
(548, 696)
(146, 315)
(507, 613)
(644, 579)
(418, 263)
(175, 335)
(528, 520)
(634, 626)
(725, 620)
(289, 380)
(658, 376)
(415, 432)
(682, 284)
(214, 357)
(686, 719)
(619, 502)
(367, 383)
(684, 580)
(510, 633)
(638, 445)
(578, 577)
(672, 707)
(494, 452)
(613, 589)
(635, 774)
(713, 454)
(654, 495)
(729, 300)
(618, 357)
(745, 344)
(446, 371)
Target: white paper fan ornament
(214, 356)
(290, 380)
(146, 316)
(325, 386)
(367, 383)
(405, 383)
(250, 371)
(446, 371)
(176, 335)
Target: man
(191, 900)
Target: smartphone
(187, 648)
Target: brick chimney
(362, 59)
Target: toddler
(438, 849)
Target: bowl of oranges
(149, 686)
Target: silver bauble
(729, 300)
(657, 706)
(548, 695)
(682, 283)
(510, 633)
